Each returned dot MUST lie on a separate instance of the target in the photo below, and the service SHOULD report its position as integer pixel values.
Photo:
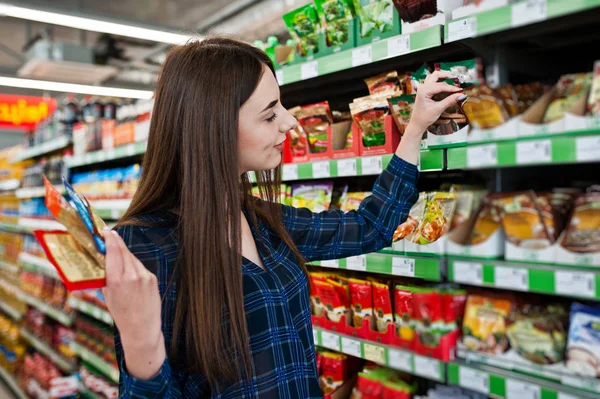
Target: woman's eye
(272, 118)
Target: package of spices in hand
(78, 253)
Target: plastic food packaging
(486, 224)
(303, 25)
(335, 16)
(415, 10)
(484, 325)
(315, 120)
(467, 71)
(385, 84)
(369, 114)
(583, 230)
(437, 218)
(485, 108)
(401, 108)
(374, 15)
(409, 227)
(467, 202)
(404, 312)
(382, 305)
(428, 316)
(316, 197)
(333, 295)
(361, 300)
(453, 118)
(594, 99)
(583, 345)
(569, 90)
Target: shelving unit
(9, 267)
(12, 384)
(36, 264)
(100, 364)
(48, 310)
(64, 364)
(110, 209)
(9, 310)
(125, 151)
(31, 224)
(36, 192)
(91, 310)
(43, 149)
(8, 185)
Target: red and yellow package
(428, 316)
(361, 300)
(332, 299)
(334, 371)
(382, 306)
(404, 312)
(453, 308)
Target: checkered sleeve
(334, 234)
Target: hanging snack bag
(374, 15)
(583, 231)
(583, 345)
(416, 213)
(316, 197)
(361, 299)
(335, 18)
(594, 99)
(385, 84)
(484, 326)
(303, 25)
(369, 114)
(467, 71)
(437, 219)
(404, 312)
(401, 108)
(315, 119)
(382, 305)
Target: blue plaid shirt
(277, 302)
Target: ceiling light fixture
(75, 88)
(93, 24)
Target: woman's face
(263, 124)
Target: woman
(207, 286)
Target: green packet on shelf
(335, 17)
(374, 15)
(303, 25)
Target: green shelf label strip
(91, 310)
(100, 364)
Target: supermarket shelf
(36, 192)
(381, 50)
(9, 310)
(580, 386)
(36, 264)
(91, 310)
(511, 16)
(530, 277)
(43, 149)
(505, 384)
(111, 209)
(6, 185)
(48, 310)
(64, 364)
(394, 358)
(128, 150)
(30, 224)
(9, 267)
(13, 228)
(11, 382)
(96, 361)
(395, 265)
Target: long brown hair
(191, 165)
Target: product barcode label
(427, 367)
(309, 70)
(511, 278)
(372, 165)
(588, 149)
(290, 171)
(357, 263)
(279, 76)
(351, 347)
(474, 379)
(468, 272)
(330, 263)
(362, 55)
(400, 360)
(374, 353)
(398, 45)
(534, 151)
(521, 390)
(321, 169)
(403, 267)
(462, 29)
(482, 155)
(528, 12)
(575, 283)
(346, 167)
(330, 341)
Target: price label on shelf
(474, 379)
(521, 390)
(290, 171)
(130, 149)
(96, 312)
(528, 12)
(110, 154)
(403, 267)
(372, 165)
(566, 396)
(427, 367)
(575, 283)
(330, 263)
(511, 278)
(100, 156)
(468, 272)
(588, 148)
(316, 336)
(346, 167)
(330, 341)
(321, 169)
(458, 30)
(534, 151)
(374, 353)
(351, 347)
(400, 360)
(309, 70)
(357, 263)
(362, 55)
(482, 155)
(279, 76)
(398, 45)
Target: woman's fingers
(130, 267)
(114, 262)
(451, 100)
(445, 87)
(437, 75)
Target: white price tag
(110, 154)
(566, 396)
(357, 263)
(130, 149)
(398, 45)
(351, 347)
(511, 278)
(521, 390)
(400, 360)
(534, 151)
(427, 367)
(374, 353)
(528, 12)
(279, 76)
(315, 337)
(372, 165)
(468, 272)
(321, 169)
(398, 245)
(403, 267)
(290, 171)
(115, 214)
(100, 156)
(362, 55)
(462, 29)
(473, 379)
(309, 70)
(330, 263)
(482, 155)
(346, 167)
(575, 283)
(588, 148)
(330, 341)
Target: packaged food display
(361, 298)
(335, 18)
(413, 11)
(385, 84)
(369, 114)
(374, 15)
(382, 305)
(437, 217)
(583, 231)
(568, 90)
(376, 382)
(486, 109)
(303, 25)
(485, 324)
(409, 227)
(486, 224)
(315, 120)
(594, 99)
(467, 71)
(335, 370)
(316, 197)
(583, 345)
(404, 312)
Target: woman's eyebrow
(271, 105)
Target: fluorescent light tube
(94, 25)
(75, 88)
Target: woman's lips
(279, 147)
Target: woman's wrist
(144, 358)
